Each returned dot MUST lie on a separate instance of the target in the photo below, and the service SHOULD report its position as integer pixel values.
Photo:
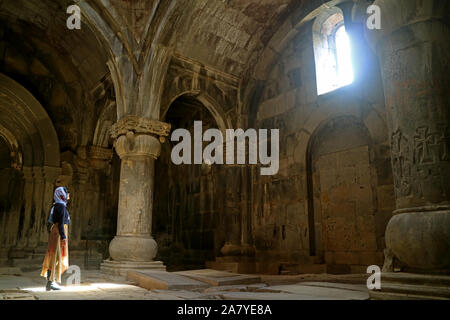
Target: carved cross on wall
(424, 143)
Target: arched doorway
(341, 197)
(188, 201)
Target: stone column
(28, 198)
(138, 146)
(38, 191)
(414, 52)
(51, 174)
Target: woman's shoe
(52, 285)
(55, 286)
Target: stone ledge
(163, 280)
(396, 286)
(219, 278)
(121, 268)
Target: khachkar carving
(430, 156)
(416, 161)
(139, 125)
(401, 163)
(431, 147)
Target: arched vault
(28, 125)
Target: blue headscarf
(60, 196)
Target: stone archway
(340, 194)
(187, 207)
(30, 141)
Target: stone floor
(97, 286)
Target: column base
(133, 248)
(420, 238)
(412, 286)
(121, 268)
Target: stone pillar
(38, 191)
(414, 52)
(28, 198)
(51, 174)
(138, 146)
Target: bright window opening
(332, 52)
(343, 57)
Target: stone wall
(237, 64)
(93, 210)
(188, 216)
(28, 180)
(347, 169)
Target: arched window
(332, 51)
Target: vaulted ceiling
(58, 66)
(62, 67)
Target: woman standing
(56, 260)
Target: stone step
(222, 266)
(220, 278)
(24, 262)
(121, 268)
(10, 271)
(27, 265)
(38, 256)
(20, 254)
(40, 250)
(412, 286)
(422, 290)
(303, 268)
(236, 267)
(163, 280)
(31, 267)
(4, 262)
(378, 295)
(413, 278)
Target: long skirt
(57, 257)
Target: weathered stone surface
(129, 248)
(409, 286)
(418, 119)
(219, 278)
(92, 109)
(163, 280)
(121, 268)
(426, 245)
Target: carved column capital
(139, 125)
(137, 136)
(99, 153)
(99, 157)
(136, 145)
